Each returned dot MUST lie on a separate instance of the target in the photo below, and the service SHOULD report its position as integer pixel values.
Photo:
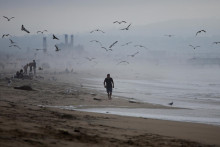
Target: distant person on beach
(33, 65)
(25, 68)
(109, 84)
(17, 74)
(30, 66)
(21, 74)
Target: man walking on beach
(109, 84)
(25, 68)
(34, 66)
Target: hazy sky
(72, 16)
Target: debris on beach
(25, 87)
(131, 101)
(97, 99)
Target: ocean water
(199, 99)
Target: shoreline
(21, 118)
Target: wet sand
(26, 119)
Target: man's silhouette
(109, 84)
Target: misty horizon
(160, 35)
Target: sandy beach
(31, 118)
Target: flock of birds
(23, 28)
(109, 48)
(140, 46)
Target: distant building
(66, 44)
(66, 39)
(71, 41)
(45, 44)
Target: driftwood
(97, 99)
(25, 87)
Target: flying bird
(126, 27)
(97, 30)
(57, 49)
(106, 49)
(194, 47)
(123, 62)
(90, 59)
(126, 43)
(5, 35)
(8, 18)
(96, 42)
(37, 49)
(169, 35)
(24, 29)
(11, 41)
(15, 46)
(119, 22)
(140, 46)
(134, 54)
(54, 37)
(216, 42)
(42, 31)
(200, 32)
(113, 44)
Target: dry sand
(25, 121)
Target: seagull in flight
(41, 31)
(37, 49)
(106, 49)
(126, 43)
(54, 37)
(113, 44)
(24, 29)
(90, 59)
(169, 35)
(216, 42)
(57, 49)
(5, 35)
(134, 54)
(11, 41)
(15, 46)
(8, 18)
(140, 46)
(119, 22)
(200, 32)
(194, 47)
(123, 62)
(97, 30)
(126, 27)
(96, 42)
